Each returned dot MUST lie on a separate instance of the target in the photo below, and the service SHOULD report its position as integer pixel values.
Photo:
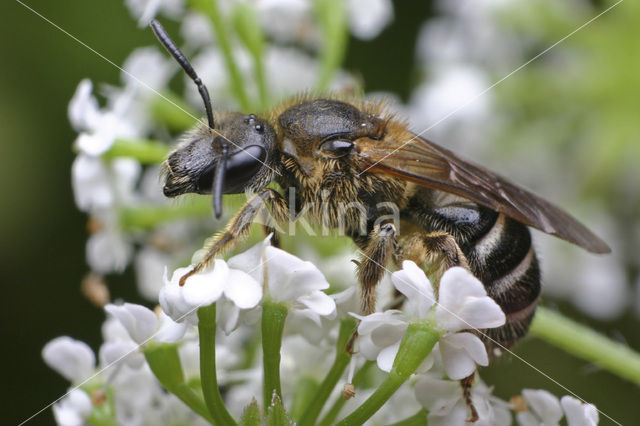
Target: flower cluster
(285, 324)
(135, 358)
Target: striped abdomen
(502, 256)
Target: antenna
(171, 47)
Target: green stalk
(173, 111)
(332, 17)
(146, 218)
(358, 379)
(415, 346)
(587, 344)
(347, 327)
(145, 151)
(250, 32)
(164, 361)
(208, 378)
(211, 10)
(274, 315)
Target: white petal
(95, 144)
(388, 333)
(90, 181)
(83, 108)
(367, 348)
(438, 396)
(228, 315)
(74, 409)
(73, 359)
(371, 322)
(149, 66)
(242, 289)
(455, 417)
(204, 288)
(577, 413)
(463, 303)
(169, 330)
(289, 277)
(544, 404)
(460, 354)
(121, 351)
(367, 18)
(108, 251)
(526, 418)
(319, 302)
(172, 300)
(387, 356)
(140, 321)
(251, 260)
(414, 284)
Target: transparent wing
(433, 166)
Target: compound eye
(242, 166)
(336, 148)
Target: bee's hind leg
(238, 227)
(434, 251)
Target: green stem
(332, 18)
(347, 327)
(274, 315)
(358, 379)
(587, 344)
(208, 378)
(415, 346)
(173, 111)
(146, 151)
(164, 361)
(211, 10)
(250, 32)
(149, 217)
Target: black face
(230, 159)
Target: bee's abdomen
(504, 260)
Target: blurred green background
(42, 234)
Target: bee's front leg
(239, 225)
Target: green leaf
(251, 415)
(276, 414)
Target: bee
(332, 152)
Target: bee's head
(230, 159)
(229, 156)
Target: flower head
(204, 288)
(462, 304)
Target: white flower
(204, 288)
(73, 359)
(463, 304)
(74, 409)
(367, 18)
(544, 408)
(577, 413)
(142, 324)
(288, 279)
(150, 66)
(443, 399)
